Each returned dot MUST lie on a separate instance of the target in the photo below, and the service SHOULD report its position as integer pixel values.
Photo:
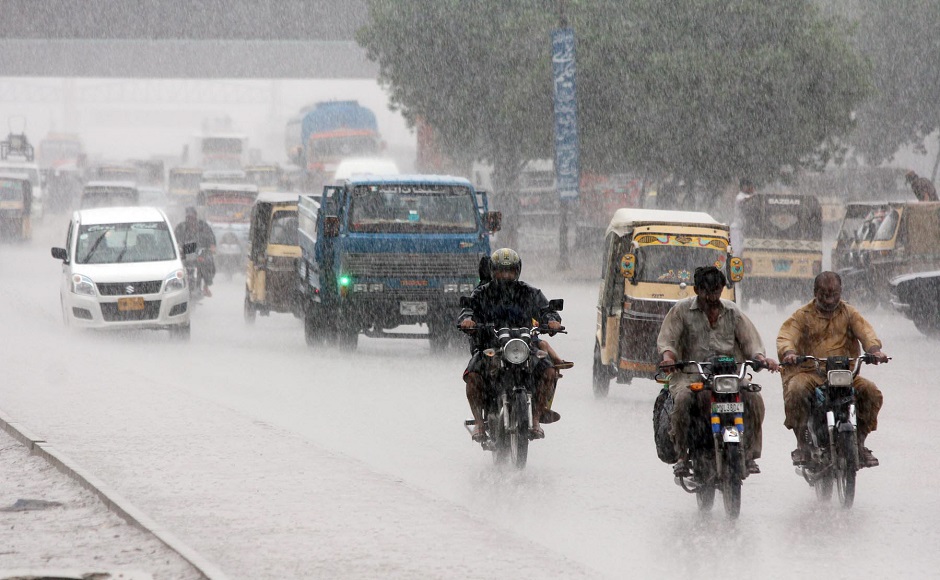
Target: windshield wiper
(92, 249)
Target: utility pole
(567, 163)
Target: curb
(112, 500)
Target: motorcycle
(192, 262)
(716, 432)
(229, 255)
(511, 358)
(831, 435)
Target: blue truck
(381, 252)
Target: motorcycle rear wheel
(846, 468)
(731, 486)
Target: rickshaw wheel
(250, 313)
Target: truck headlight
(360, 287)
(175, 281)
(376, 288)
(450, 287)
(466, 288)
(83, 285)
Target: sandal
(564, 364)
(479, 434)
(536, 432)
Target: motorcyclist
(826, 327)
(193, 229)
(506, 300)
(696, 329)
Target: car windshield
(412, 208)
(11, 190)
(673, 259)
(888, 226)
(124, 243)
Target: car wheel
(180, 332)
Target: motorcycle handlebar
(817, 361)
(702, 366)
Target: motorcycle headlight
(725, 384)
(175, 281)
(840, 378)
(516, 351)
(83, 285)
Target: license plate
(727, 407)
(134, 303)
(413, 308)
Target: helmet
(505, 259)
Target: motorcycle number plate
(133, 303)
(728, 407)
(413, 308)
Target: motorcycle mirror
(60, 254)
(493, 221)
(557, 304)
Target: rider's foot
(536, 432)
(563, 364)
(682, 468)
(799, 456)
(479, 434)
(752, 466)
(865, 457)
(549, 416)
(206, 292)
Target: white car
(122, 269)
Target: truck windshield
(673, 259)
(123, 243)
(345, 146)
(412, 208)
(188, 181)
(767, 216)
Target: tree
(708, 90)
(902, 40)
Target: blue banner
(567, 162)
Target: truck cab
(381, 252)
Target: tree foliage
(902, 40)
(708, 90)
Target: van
(649, 259)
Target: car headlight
(516, 351)
(725, 384)
(83, 285)
(175, 281)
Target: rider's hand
(668, 364)
(467, 323)
(789, 358)
(554, 325)
(879, 357)
(770, 363)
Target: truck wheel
(347, 339)
(314, 328)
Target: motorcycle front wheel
(500, 437)
(847, 467)
(731, 486)
(823, 487)
(519, 435)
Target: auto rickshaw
(649, 259)
(905, 240)
(782, 250)
(857, 215)
(16, 198)
(270, 283)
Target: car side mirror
(60, 254)
(189, 248)
(331, 226)
(558, 304)
(493, 221)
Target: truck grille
(121, 288)
(411, 265)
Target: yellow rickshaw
(271, 281)
(649, 260)
(905, 240)
(16, 199)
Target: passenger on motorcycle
(196, 230)
(696, 329)
(506, 300)
(827, 327)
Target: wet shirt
(201, 234)
(809, 331)
(514, 304)
(687, 333)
